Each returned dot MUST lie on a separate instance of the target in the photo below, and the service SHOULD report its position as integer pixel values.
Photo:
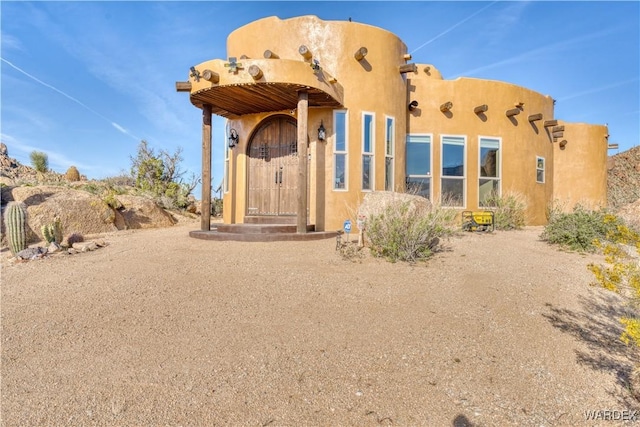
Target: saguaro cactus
(15, 221)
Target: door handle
(280, 179)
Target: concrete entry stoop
(262, 229)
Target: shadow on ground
(597, 325)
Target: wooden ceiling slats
(236, 100)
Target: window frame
(389, 152)
(462, 178)
(371, 153)
(337, 152)
(497, 178)
(429, 174)
(542, 169)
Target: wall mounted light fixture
(322, 132)
(233, 138)
(413, 105)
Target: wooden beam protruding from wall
(305, 52)
(446, 106)
(210, 76)
(183, 86)
(255, 72)
(408, 68)
(563, 143)
(270, 55)
(612, 146)
(513, 112)
(407, 57)
(558, 129)
(548, 123)
(535, 117)
(557, 134)
(360, 53)
(481, 108)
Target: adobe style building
(321, 112)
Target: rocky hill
(84, 207)
(623, 178)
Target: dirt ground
(161, 329)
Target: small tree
(160, 175)
(39, 161)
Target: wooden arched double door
(272, 169)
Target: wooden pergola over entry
(266, 86)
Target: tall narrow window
(419, 165)
(388, 153)
(489, 184)
(453, 171)
(226, 165)
(340, 150)
(368, 132)
(540, 170)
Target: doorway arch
(272, 168)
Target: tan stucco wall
(521, 141)
(574, 174)
(375, 86)
(580, 173)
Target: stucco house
(336, 109)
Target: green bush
(159, 175)
(509, 210)
(404, 232)
(39, 161)
(578, 230)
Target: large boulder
(141, 212)
(79, 211)
(376, 202)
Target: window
(489, 169)
(419, 165)
(453, 170)
(368, 132)
(540, 169)
(227, 150)
(340, 150)
(388, 153)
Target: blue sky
(86, 81)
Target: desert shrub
(39, 161)
(621, 272)
(159, 175)
(110, 199)
(404, 232)
(509, 210)
(72, 174)
(579, 229)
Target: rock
(53, 247)
(141, 212)
(32, 253)
(79, 211)
(85, 246)
(374, 203)
(3, 149)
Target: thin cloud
(453, 27)
(120, 128)
(538, 52)
(598, 89)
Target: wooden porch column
(205, 216)
(303, 114)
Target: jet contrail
(452, 28)
(114, 124)
(598, 89)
